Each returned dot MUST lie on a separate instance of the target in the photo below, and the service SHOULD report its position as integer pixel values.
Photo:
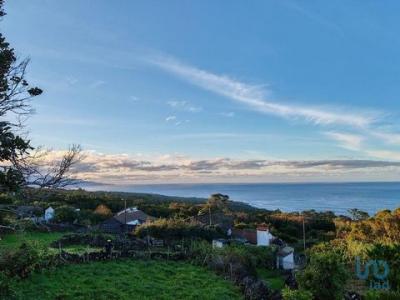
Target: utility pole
(304, 235)
(125, 214)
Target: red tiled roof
(248, 234)
(262, 228)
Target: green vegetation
(325, 276)
(274, 278)
(13, 241)
(296, 294)
(127, 279)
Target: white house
(264, 237)
(285, 258)
(49, 214)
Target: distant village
(127, 220)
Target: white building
(49, 214)
(285, 258)
(264, 237)
(219, 243)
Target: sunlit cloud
(128, 169)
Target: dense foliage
(325, 276)
(176, 229)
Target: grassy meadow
(13, 241)
(127, 279)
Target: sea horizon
(338, 197)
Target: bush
(6, 287)
(177, 229)
(325, 276)
(238, 263)
(382, 295)
(103, 210)
(6, 199)
(390, 254)
(289, 294)
(27, 258)
(65, 214)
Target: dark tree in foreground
(20, 164)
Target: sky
(215, 91)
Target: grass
(127, 279)
(273, 277)
(13, 241)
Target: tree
(325, 276)
(216, 202)
(103, 210)
(20, 166)
(358, 215)
(391, 255)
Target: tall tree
(216, 202)
(19, 164)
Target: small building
(264, 237)
(219, 243)
(285, 258)
(49, 214)
(249, 235)
(259, 237)
(125, 221)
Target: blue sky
(161, 82)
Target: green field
(127, 279)
(13, 241)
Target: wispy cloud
(346, 140)
(387, 137)
(184, 106)
(96, 84)
(170, 118)
(255, 96)
(229, 114)
(313, 16)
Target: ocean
(337, 197)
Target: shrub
(6, 287)
(255, 289)
(23, 261)
(65, 214)
(325, 276)
(289, 294)
(6, 199)
(177, 229)
(390, 254)
(382, 295)
(103, 210)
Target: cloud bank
(122, 169)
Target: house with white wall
(264, 237)
(285, 258)
(49, 214)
